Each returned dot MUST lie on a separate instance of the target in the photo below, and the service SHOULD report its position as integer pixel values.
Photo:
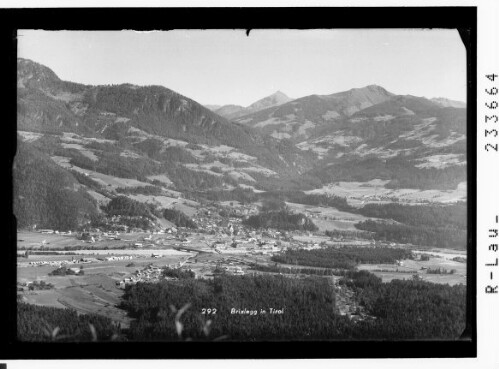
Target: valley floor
(100, 288)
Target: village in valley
(100, 264)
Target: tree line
(416, 235)
(346, 257)
(452, 215)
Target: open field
(410, 267)
(313, 238)
(26, 238)
(56, 242)
(103, 179)
(189, 207)
(137, 253)
(94, 292)
(162, 178)
(444, 253)
(327, 218)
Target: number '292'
(490, 117)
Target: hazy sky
(227, 67)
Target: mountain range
(105, 138)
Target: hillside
(46, 195)
(407, 140)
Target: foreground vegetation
(408, 309)
(308, 307)
(230, 308)
(401, 309)
(40, 323)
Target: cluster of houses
(149, 274)
(118, 257)
(51, 231)
(57, 263)
(236, 270)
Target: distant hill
(229, 111)
(399, 105)
(298, 119)
(276, 99)
(213, 107)
(236, 111)
(442, 101)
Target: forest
(408, 176)
(396, 310)
(400, 171)
(177, 273)
(40, 323)
(242, 195)
(416, 235)
(46, 195)
(308, 309)
(300, 197)
(122, 205)
(155, 149)
(338, 233)
(141, 190)
(179, 218)
(282, 220)
(424, 225)
(447, 216)
(407, 309)
(191, 180)
(113, 164)
(346, 257)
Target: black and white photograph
(237, 185)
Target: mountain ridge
(235, 111)
(444, 102)
(47, 104)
